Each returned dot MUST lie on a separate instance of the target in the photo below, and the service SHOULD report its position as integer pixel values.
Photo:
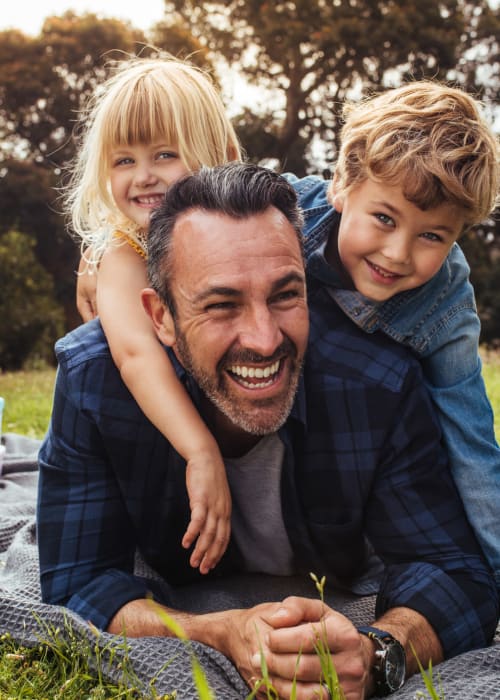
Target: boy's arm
(452, 370)
(150, 377)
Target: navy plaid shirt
(362, 459)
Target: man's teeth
(266, 373)
(258, 372)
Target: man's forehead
(206, 232)
(216, 251)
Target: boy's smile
(388, 245)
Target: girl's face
(387, 244)
(140, 176)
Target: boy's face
(387, 244)
(140, 176)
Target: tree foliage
(31, 319)
(317, 53)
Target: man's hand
(86, 290)
(295, 627)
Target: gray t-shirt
(257, 518)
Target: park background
(284, 69)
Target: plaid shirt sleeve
(85, 539)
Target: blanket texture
(475, 674)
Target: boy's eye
(434, 237)
(385, 219)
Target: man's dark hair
(236, 189)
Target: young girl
(153, 122)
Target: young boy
(418, 166)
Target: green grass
(28, 401)
(491, 374)
(70, 668)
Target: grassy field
(28, 397)
(28, 401)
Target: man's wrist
(388, 661)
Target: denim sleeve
(452, 370)
(466, 420)
(85, 539)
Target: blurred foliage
(31, 319)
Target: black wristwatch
(389, 669)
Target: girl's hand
(210, 502)
(86, 290)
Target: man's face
(241, 322)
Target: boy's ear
(336, 194)
(160, 316)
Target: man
(355, 455)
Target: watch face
(394, 667)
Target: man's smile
(255, 377)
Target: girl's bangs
(140, 119)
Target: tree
(46, 79)
(31, 319)
(314, 54)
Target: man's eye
(288, 295)
(220, 306)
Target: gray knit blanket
(475, 674)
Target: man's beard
(268, 415)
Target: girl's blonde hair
(430, 138)
(159, 100)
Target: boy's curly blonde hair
(432, 139)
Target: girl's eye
(122, 161)
(385, 219)
(166, 155)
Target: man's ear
(160, 315)
(336, 194)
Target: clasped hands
(286, 634)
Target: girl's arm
(150, 377)
(86, 288)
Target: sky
(28, 15)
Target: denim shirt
(439, 323)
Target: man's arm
(85, 537)
(285, 634)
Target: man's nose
(260, 331)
